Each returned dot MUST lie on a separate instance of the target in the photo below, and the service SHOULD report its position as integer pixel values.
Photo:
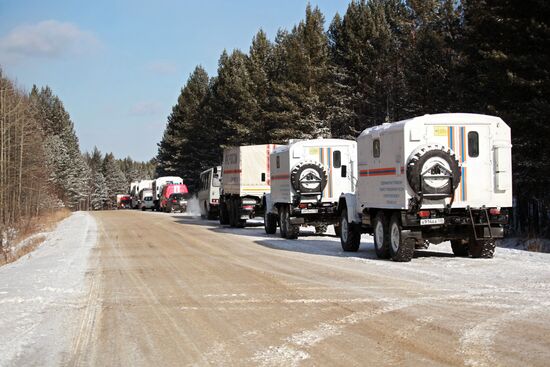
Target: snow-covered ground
(41, 293)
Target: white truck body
(307, 179)
(323, 151)
(430, 179)
(209, 192)
(245, 180)
(245, 170)
(486, 180)
(146, 199)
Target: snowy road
(173, 290)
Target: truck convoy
(245, 172)
(430, 179)
(307, 179)
(209, 192)
(411, 183)
(158, 185)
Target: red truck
(123, 201)
(174, 198)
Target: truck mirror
(344, 170)
(263, 176)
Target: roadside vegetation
(42, 171)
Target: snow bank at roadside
(40, 292)
(528, 244)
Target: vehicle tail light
(174, 201)
(303, 205)
(494, 211)
(214, 201)
(248, 207)
(424, 214)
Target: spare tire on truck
(308, 177)
(440, 164)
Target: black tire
(308, 177)
(381, 236)
(337, 230)
(143, 209)
(320, 229)
(239, 223)
(415, 167)
(350, 235)
(224, 214)
(482, 249)
(460, 248)
(211, 214)
(270, 223)
(400, 250)
(283, 222)
(288, 230)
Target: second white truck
(307, 179)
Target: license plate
(431, 221)
(310, 211)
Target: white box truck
(431, 179)
(209, 192)
(307, 179)
(158, 185)
(245, 180)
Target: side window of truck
(336, 159)
(376, 148)
(473, 144)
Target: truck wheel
(239, 223)
(484, 249)
(270, 223)
(401, 251)
(350, 236)
(381, 236)
(460, 248)
(211, 214)
(288, 230)
(337, 230)
(224, 220)
(283, 221)
(320, 229)
(231, 210)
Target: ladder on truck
(483, 225)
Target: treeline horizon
(42, 167)
(380, 61)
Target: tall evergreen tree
(298, 104)
(507, 74)
(114, 178)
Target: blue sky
(119, 65)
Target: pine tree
(298, 104)
(188, 133)
(259, 65)
(99, 192)
(507, 74)
(114, 178)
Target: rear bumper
(315, 214)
